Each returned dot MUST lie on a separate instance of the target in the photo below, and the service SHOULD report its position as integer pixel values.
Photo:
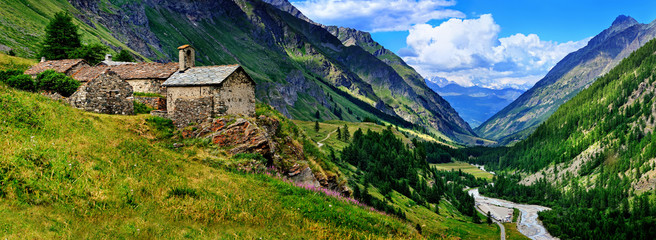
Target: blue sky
(487, 43)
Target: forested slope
(572, 74)
(593, 160)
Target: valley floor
(528, 224)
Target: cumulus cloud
(377, 15)
(470, 52)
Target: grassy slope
(328, 128)
(449, 224)
(71, 174)
(22, 24)
(9, 62)
(465, 167)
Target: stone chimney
(43, 59)
(187, 57)
(108, 57)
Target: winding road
(528, 224)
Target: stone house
(146, 77)
(65, 66)
(197, 93)
(104, 93)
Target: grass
(465, 167)
(449, 224)
(512, 233)
(10, 62)
(328, 128)
(65, 173)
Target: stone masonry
(192, 111)
(105, 94)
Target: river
(528, 224)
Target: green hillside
(71, 174)
(571, 75)
(593, 159)
(300, 68)
(23, 23)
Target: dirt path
(326, 138)
(528, 224)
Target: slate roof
(198, 76)
(87, 73)
(114, 63)
(58, 65)
(145, 70)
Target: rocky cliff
(571, 75)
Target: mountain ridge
(299, 66)
(573, 73)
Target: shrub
(4, 75)
(50, 80)
(22, 82)
(140, 108)
(164, 126)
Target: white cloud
(377, 15)
(469, 52)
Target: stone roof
(87, 73)
(114, 63)
(197, 76)
(61, 66)
(150, 70)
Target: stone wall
(157, 103)
(173, 93)
(105, 94)
(148, 85)
(236, 96)
(189, 111)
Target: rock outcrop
(260, 135)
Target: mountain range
(571, 75)
(475, 104)
(300, 67)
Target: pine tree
(124, 56)
(339, 133)
(346, 135)
(476, 218)
(316, 126)
(61, 38)
(489, 217)
(93, 53)
(317, 115)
